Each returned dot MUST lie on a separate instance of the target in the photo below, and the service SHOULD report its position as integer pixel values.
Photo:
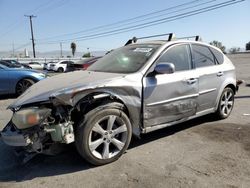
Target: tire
(104, 134)
(60, 69)
(23, 85)
(226, 104)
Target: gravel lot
(199, 153)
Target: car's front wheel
(104, 135)
(23, 85)
(226, 103)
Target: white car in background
(35, 65)
(62, 66)
(48, 66)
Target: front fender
(129, 96)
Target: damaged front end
(38, 129)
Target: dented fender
(81, 84)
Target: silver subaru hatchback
(133, 90)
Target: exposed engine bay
(36, 130)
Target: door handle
(220, 74)
(191, 80)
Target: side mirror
(164, 68)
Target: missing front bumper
(12, 137)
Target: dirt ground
(199, 153)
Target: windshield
(127, 59)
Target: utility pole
(13, 49)
(32, 34)
(61, 48)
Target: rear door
(171, 97)
(211, 76)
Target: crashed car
(136, 89)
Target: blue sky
(230, 25)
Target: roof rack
(196, 37)
(134, 39)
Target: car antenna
(134, 39)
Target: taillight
(85, 66)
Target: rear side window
(178, 55)
(218, 55)
(202, 56)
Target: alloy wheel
(107, 137)
(226, 104)
(23, 85)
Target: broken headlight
(26, 118)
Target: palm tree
(73, 48)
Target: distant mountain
(50, 54)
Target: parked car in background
(85, 63)
(16, 80)
(10, 65)
(48, 66)
(35, 65)
(18, 64)
(62, 66)
(133, 90)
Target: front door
(4, 81)
(171, 97)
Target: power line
(125, 21)
(11, 27)
(22, 46)
(52, 6)
(20, 21)
(152, 23)
(36, 10)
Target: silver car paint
(181, 101)
(80, 84)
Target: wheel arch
(60, 67)
(231, 84)
(23, 78)
(93, 100)
(232, 87)
(27, 77)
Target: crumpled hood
(55, 85)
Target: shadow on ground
(242, 97)
(9, 96)
(70, 161)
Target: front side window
(202, 56)
(127, 59)
(178, 55)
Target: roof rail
(196, 37)
(134, 39)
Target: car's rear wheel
(226, 103)
(23, 85)
(104, 135)
(60, 69)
